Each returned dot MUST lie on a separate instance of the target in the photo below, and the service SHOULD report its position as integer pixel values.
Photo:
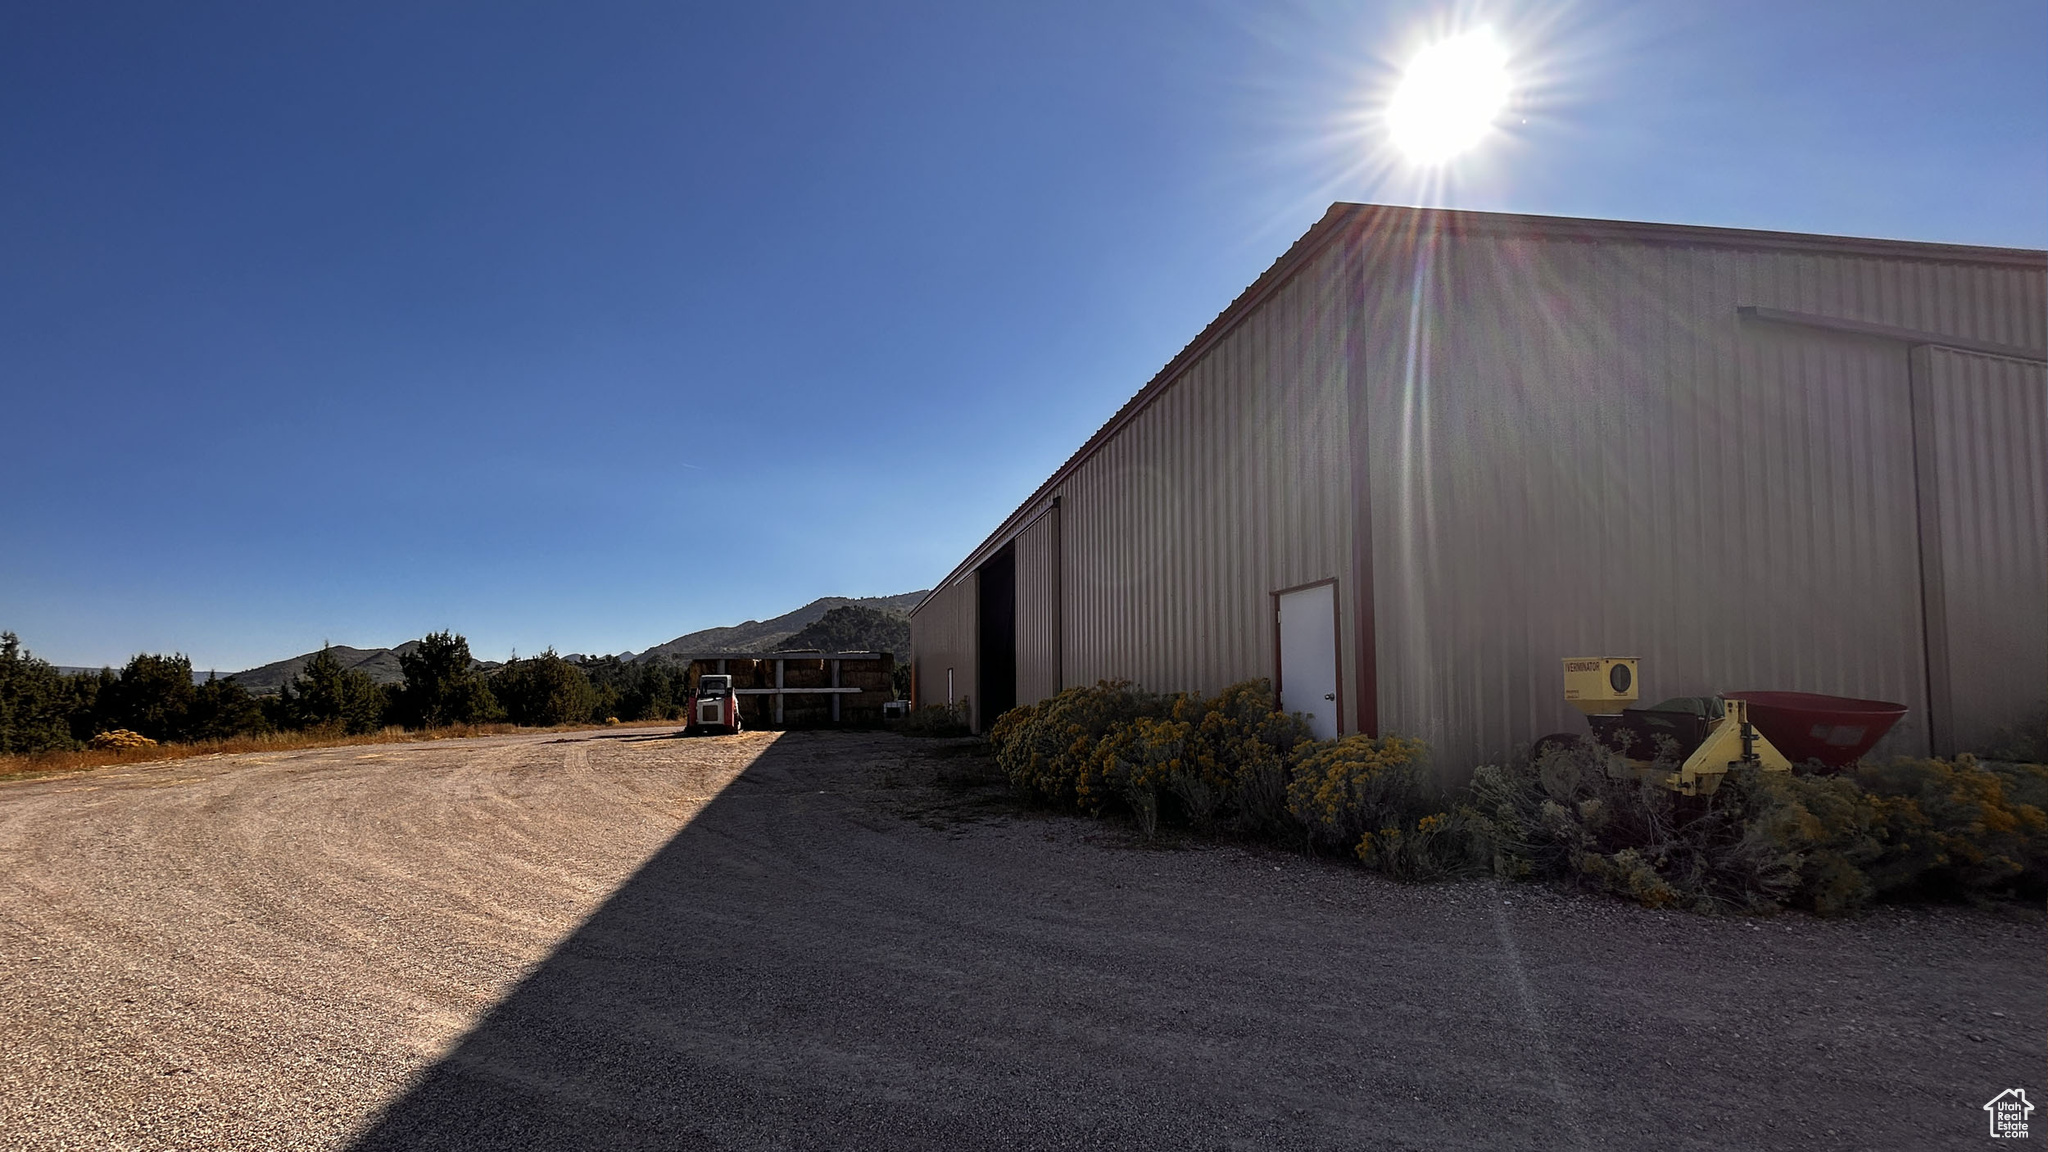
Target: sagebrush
(947, 719)
(1233, 765)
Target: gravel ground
(622, 940)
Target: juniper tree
(442, 685)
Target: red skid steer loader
(714, 707)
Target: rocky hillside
(381, 665)
(766, 635)
(854, 628)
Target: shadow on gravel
(819, 961)
(810, 964)
(757, 983)
(624, 1037)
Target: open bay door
(1307, 676)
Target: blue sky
(594, 324)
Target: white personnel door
(1308, 657)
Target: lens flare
(1449, 97)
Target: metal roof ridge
(1599, 228)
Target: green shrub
(1565, 814)
(537, 692)
(1136, 761)
(1232, 761)
(652, 689)
(1952, 828)
(1365, 794)
(1181, 758)
(1908, 828)
(1761, 841)
(2025, 742)
(1245, 750)
(939, 720)
(1051, 751)
(1343, 789)
(1436, 846)
(1836, 829)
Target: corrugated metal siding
(1578, 449)
(1989, 441)
(942, 637)
(1230, 486)
(1038, 609)
(1571, 446)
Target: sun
(1449, 97)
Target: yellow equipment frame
(1733, 742)
(1593, 686)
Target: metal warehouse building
(1430, 453)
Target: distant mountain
(765, 635)
(854, 628)
(380, 664)
(880, 625)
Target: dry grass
(51, 763)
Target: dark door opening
(996, 638)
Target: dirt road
(621, 940)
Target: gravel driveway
(843, 940)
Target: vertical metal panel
(1987, 482)
(1229, 487)
(1580, 450)
(1570, 445)
(1038, 608)
(942, 637)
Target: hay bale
(120, 740)
(805, 674)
